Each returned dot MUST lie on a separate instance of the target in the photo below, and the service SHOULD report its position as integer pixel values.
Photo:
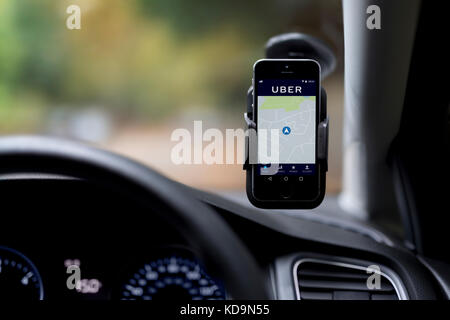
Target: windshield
(135, 71)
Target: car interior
(134, 233)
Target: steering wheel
(220, 249)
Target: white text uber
(286, 89)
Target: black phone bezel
(293, 193)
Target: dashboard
(69, 239)
(161, 273)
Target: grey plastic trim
(376, 73)
(390, 275)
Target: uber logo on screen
(286, 89)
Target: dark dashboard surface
(57, 222)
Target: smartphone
(286, 102)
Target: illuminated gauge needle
(134, 291)
(26, 278)
(19, 277)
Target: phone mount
(295, 46)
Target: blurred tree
(255, 19)
(135, 58)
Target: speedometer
(172, 277)
(19, 278)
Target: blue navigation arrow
(286, 130)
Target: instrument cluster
(164, 273)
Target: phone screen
(286, 105)
(287, 109)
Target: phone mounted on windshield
(287, 141)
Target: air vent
(328, 280)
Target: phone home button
(286, 190)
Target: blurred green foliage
(139, 59)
